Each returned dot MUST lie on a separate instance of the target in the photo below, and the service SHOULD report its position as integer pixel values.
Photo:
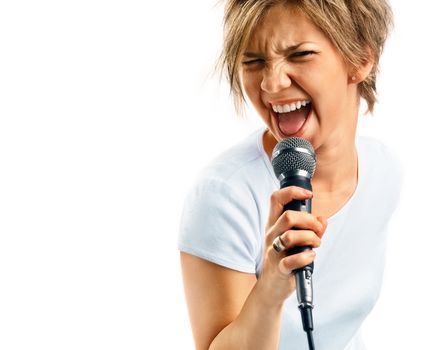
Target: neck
(336, 168)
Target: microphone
(294, 163)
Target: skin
(292, 60)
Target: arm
(217, 296)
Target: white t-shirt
(224, 220)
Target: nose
(275, 79)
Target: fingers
(290, 263)
(282, 197)
(294, 238)
(298, 220)
(324, 223)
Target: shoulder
(233, 182)
(375, 147)
(235, 162)
(380, 169)
(379, 157)
(240, 170)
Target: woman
(304, 65)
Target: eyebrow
(288, 49)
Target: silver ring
(278, 245)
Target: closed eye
(253, 61)
(300, 54)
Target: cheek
(329, 92)
(251, 83)
(336, 97)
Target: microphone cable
(307, 323)
(310, 340)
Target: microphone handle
(300, 205)
(303, 276)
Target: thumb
(324, 223)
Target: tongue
(290, 123)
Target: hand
(308, 230)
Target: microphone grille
(293, 153)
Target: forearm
(256, 327)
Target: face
(298, 81)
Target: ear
(359, 74)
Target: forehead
(284, 25)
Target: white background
(108, 109)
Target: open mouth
(292, 117)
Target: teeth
(290, 107)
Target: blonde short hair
(355, 27)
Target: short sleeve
(219, 223)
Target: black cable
(310, 340)
(307, 322)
